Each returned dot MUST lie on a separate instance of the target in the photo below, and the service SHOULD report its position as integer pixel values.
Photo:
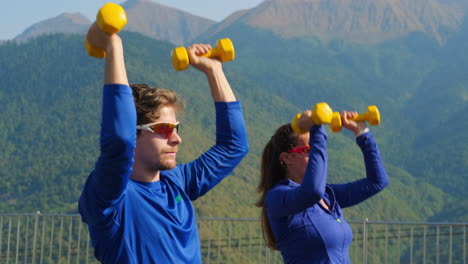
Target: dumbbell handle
(360, 117)
(214, 53)
(224, 51)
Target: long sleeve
(219, 161)
(376, 177)
(107, 183)
(292, 198)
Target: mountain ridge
(360, 21)
(41, 145)
(363, 21)
(171, 24)
(74, 23)
(275, 78)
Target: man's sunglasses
(302, 150)
(164, 129)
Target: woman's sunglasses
(163, 129)
(302, 150)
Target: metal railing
(46, 238)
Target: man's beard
(164, 165)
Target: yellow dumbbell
(372, 116)
(111, 18)
(295, 126)
(321, 114)
(224, 51)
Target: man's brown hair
(148, 101)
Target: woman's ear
(284, 159)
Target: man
(137, 201)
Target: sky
(17, 15)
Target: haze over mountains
(64, 23)
(416, 74)
(144, 16)
(162, 22)
(361, 21)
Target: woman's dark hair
(272, 171)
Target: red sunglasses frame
(301, 150)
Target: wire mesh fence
(46, 238)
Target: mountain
(144, 16)
(67, 22)
(360, 21)
(49, 122)
(49, 125)
(162, 22)
(407, 78)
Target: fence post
(209, 250)
(18, 228)
(386, 243)
(87, 248)
(78, 243)
(70, 227)
(1, 235)
(450, 245)
(42, 239)
(411, 245)
(8, 241)
(260, 244)
(364, 241)
(51, 237)
(424, 244)
(27, 239)
(240, 244)
(374, 247)
(464, 244)
(60, 238)
(250, 241)
(219, 243)
(35, 236)
(398, 234)
(437, 245)
(229, 238)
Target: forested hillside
(420, 87)
(51, 98)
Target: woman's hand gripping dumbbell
(320, 114)
(323, 114)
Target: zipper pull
(338, 220)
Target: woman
(301, 214)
